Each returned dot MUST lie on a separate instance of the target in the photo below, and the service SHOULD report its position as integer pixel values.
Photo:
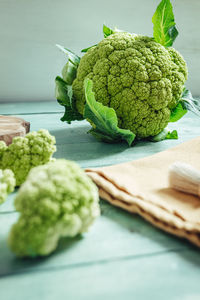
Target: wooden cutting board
(11, 127)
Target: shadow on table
(76, 144)
(11, 265)
(137, 225)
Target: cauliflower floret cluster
(57, 200)
(7, 184)
(138, 77)
(36, 148)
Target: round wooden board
(11, 127)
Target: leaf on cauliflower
(165, 135)
(86, 49)
(104, 119)
(63, 90)
(186, 103)
(173, 135)
(64, 96)
(189, 102)
(107, 31)
(73, 58)
(69, 72)
(178, 112)
(164, 30)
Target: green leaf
(164, 29)
(172, 135)
(86, 49)
(104, 119)
(186, 103)
(64, 96)
(107, 31)
(164, 135)
(102, 136)
(73, 58)
(173, 33)
(69, 72)
(189, 102)
(178, 112)
(61, 91)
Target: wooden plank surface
(21, 108)
(172, 275)
(122, 256)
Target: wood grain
(168, 276)
(11, 127)
(122, 256)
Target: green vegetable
(137, 77)
(107, 31)
(140, 79)
(86, 49)
(189, 103)
(57, 200)
(178, 112)
(63, 90)
(164, 30)
(36, 148)
(165, 135)
(73, 58)
(65, 98)
(7, 184)
(172, 135)
(104, 118)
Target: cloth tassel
(183, 177)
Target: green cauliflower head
(7, 184)
(138, 77)
(36, 148)
(57, 200)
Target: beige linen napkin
(141, 187)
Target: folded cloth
(142, 187)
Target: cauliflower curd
(136, 76)
(57, 200)
(36, 148)
(7, 184)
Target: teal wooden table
(122, 256)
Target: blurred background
(29, 30)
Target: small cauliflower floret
(36, 148)
(57, 200)
(138, 77)
(7, 184)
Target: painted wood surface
(122, 256)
